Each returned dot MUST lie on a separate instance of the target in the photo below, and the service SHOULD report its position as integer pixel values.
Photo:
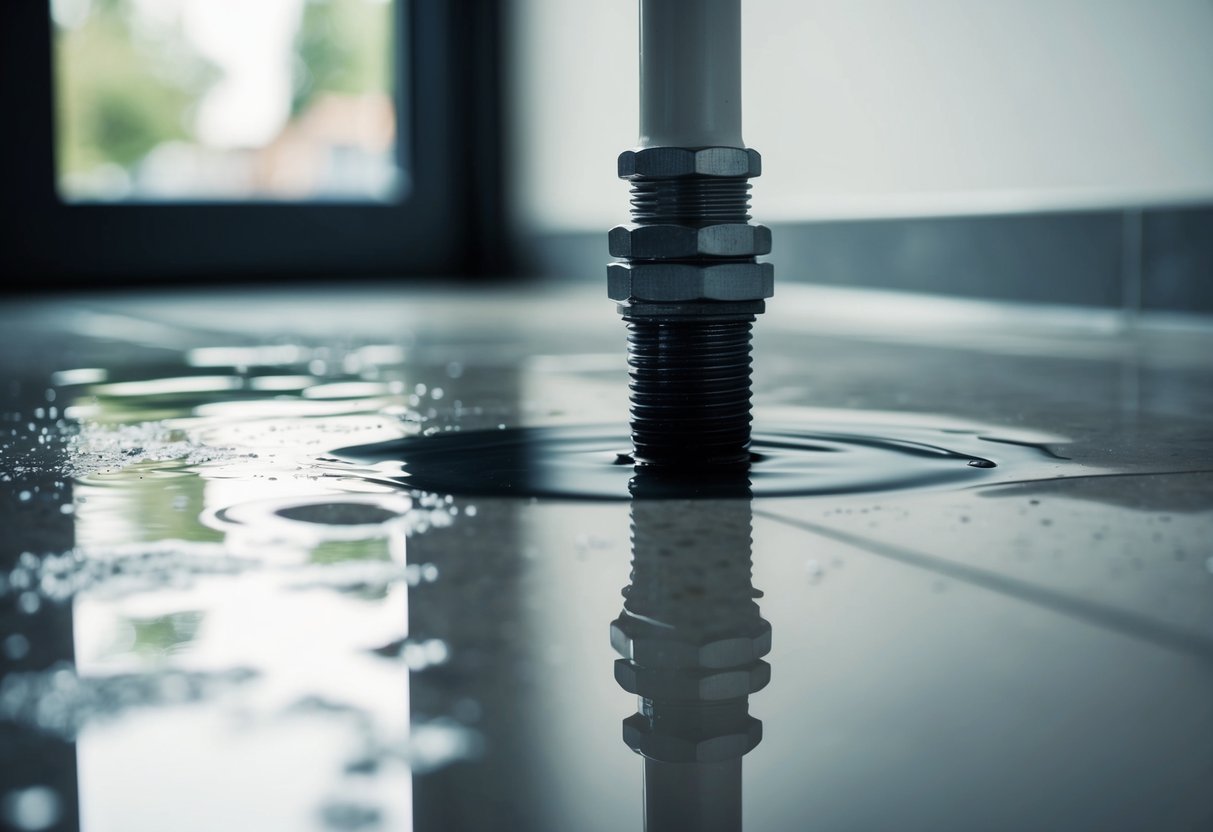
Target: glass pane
(191, 100)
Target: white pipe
(690, 73)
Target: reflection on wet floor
(692, 643)
(355, 583)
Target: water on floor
(354, 561)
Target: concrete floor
(1032, 653)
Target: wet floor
(358, 560)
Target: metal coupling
(689, 286)
(690, 240)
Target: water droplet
(32, 809)
(981, 463)
(414, 656)
(436, 651)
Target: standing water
(315, 580)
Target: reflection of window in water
(225, 99)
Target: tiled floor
(247, 624)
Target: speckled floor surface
(209, 621)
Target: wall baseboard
(1158, 258)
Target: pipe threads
(694, 202)
(690, 391)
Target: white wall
(891, 107)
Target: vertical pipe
(705, 797)
(690, 73)
(690, 286)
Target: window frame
(443, 224)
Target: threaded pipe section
(690, 391)
(690, 202)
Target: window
(225, 99)
(223, 139)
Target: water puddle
(814, 458)
(196, 591)
(244, 556)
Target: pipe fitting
(710, 685)
(677, 242)
(743, 642)
(670, 282)
(682, 162)
(647, 738)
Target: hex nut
(639, 736)
(711, 685)
(651, 646)
(689, 281)
(680, 162)
(659, 242)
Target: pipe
(689, 285)
(690, 73)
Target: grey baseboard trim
(1154, 258)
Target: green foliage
(125, 84)
(116, 97)
(343, 46)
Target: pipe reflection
(692, 642)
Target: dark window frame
(445, 224)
